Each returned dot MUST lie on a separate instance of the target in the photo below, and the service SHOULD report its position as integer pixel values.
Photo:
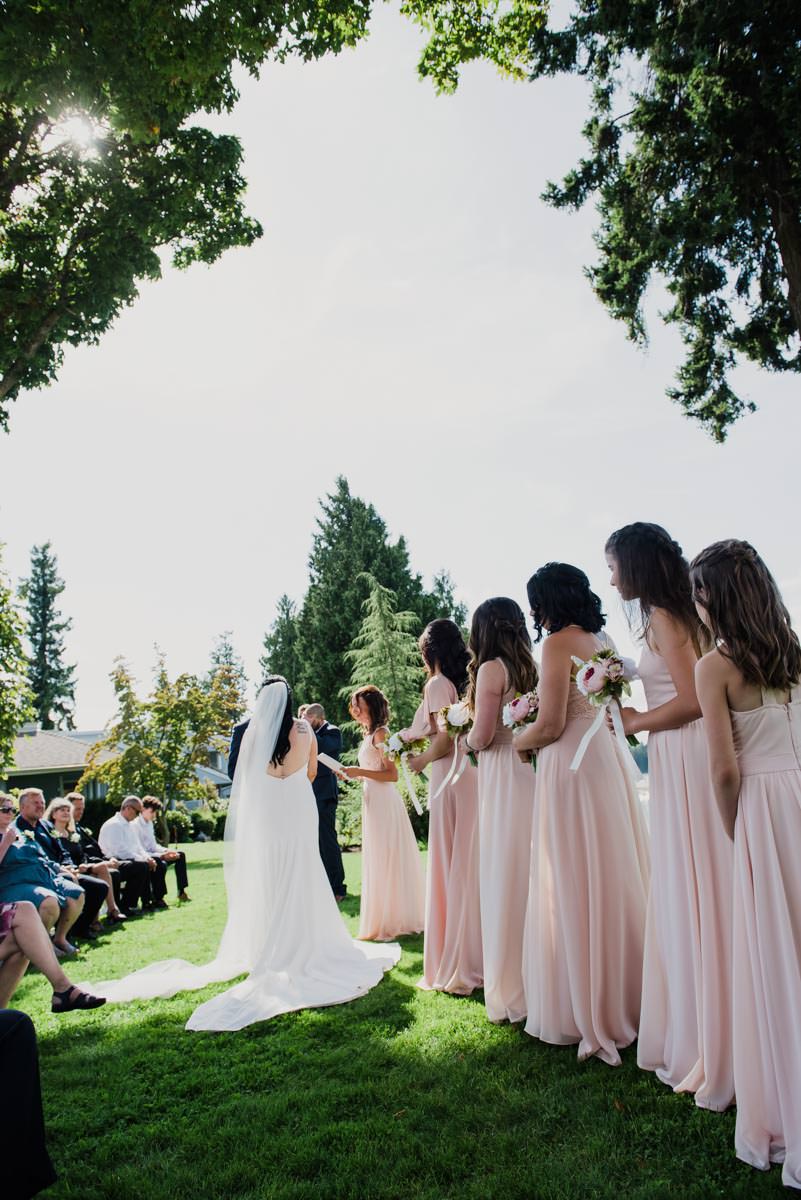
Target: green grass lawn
(402, 1093)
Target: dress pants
(181, 875)
(27, 1168)
(96, 892)
(134, 876)
(156, 885)
(330, 852)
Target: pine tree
(51, 681)
(15, 695)
(281, 656)
(385, 653)
(227, 680)
(351, 543)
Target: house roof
(51, 750)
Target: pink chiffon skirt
(393, 887)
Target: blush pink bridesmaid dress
(585, 923)
(393, 888)
(685, 1023)
(506, 789)
(767, 936)
(452, 957)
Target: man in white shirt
(144, 824)
(118, 839)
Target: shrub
(203, 821)
(179, 823)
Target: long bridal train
(284, 928)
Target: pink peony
(592, 678)
(519, 708)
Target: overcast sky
(414, 318)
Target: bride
(284, 929)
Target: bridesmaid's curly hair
(441, 642)
(499, 631)
(653, 572)
(747, 616)
(377, 705)
(561, 595)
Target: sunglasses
(7, 808)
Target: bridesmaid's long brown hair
(499, 631)
(376, 703)
(747, 616)
(441, 642)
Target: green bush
(179, 823)
(203, 821)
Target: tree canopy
(694, 163)
(101, 173)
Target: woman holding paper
(393, 888)
(452, 958)
(585, 923)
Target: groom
(326, 793)
(325, 786)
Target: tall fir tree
(51, 680)
(281, 654)
(385, 653)
(351, 540)
(227, 680)
(15, 694)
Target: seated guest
(27, 1168)
(31, 812)
(26, 873)
(58, 819)
(23, 940)
(133, 876)
(151, 808)
(118, 839)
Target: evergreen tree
(351, 540)
(385, 652)
(51, 681)
(15, 695)
(227, 681)
(281, 655)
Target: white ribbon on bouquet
(407, 775)
(453, 775)
(617, 724)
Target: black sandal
(74, 998)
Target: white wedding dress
(284, 928)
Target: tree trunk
(15, 374)
(787, 227)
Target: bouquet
(604, 679)
(397, 749)
(523, 710)
(455, 720)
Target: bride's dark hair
(282, 743)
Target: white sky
(414, 318)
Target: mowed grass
(402, 1093)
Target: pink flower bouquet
(523, 710)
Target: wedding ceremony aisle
(403, 1093)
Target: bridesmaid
(452, 959)
(685, 1023)
(751, 700)
(501, 664)
(393, 888)
(585, 923)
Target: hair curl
(561, 595)
(282, 742)
(498, 630)
(376, 703)
(441, 644)
(653, 573)
(747, 616)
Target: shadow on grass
(398, 1094)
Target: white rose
(458, 714)
(396, 744)
(507, 717)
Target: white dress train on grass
(284, 929)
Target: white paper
(330, 762)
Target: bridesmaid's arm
(553, 688)
(675, 645)
(439, 746)
(388, 772)
(490, 686)
(710, 679)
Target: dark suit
(27, 1168)
(326, 793)
(55, 848)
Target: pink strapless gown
(767, 937)
(506, 789)
(585, 924)
(685, 1024)
(393, 888)
(452, 957)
